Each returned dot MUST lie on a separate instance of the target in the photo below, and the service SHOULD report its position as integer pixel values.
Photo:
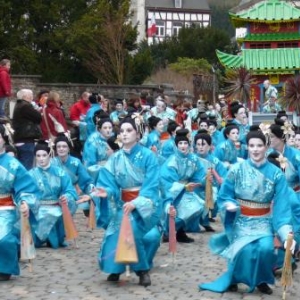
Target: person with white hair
(271, 91)
(26, 124)
(271, 105)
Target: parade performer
(169, 147)
(165, 113)
(129, 185)
(238, 112)
(80, 178)
(180, 175)
(245, 205)
(17, 191)
(203, 144)
(95, 147)
(229, 151)
(56, 188)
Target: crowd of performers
(156, 172)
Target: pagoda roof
(263, 61)
(267, 11)
(264, 37)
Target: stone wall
(70, 92)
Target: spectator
(5, 85)
(53, 121)
(79, 109)
(26, 123)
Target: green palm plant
(238, 82)
(291, 97)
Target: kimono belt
(297, 188)
(164, 136)
(49, 202)
(254, 209)
(6, 200)
(130, 194)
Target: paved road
(74, 274)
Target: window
(160, 28)
(176, 27)
(178, 3)
(260, 46)
(287, 45)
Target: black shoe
(86, 212)
(212, 220)
(208, 228)
(165, 239)
(182, 237)
(144, 278)
(113, 277)
(233, 288)
(4, 277)
(265, 289)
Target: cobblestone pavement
(73, 274)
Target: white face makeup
(42, 158)
(257, 150)
(106, 130)
(62, 149)
(202, 147)
(128, 135)
(183, 147)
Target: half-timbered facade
(169, 15)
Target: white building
(170, 16)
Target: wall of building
(70, 92)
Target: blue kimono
(90, 125)
(15, 182)
(114, 116)
(217, 138)
(243, 130)
(210, 161)
(53, 182)
(136, 169)
(94, 150)
(247, 242)
(168, 148)
(227, 152)
(178, 170)
(292, 170)
(78, 174)
(153, 142)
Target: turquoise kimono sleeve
(282, 214)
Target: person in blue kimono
(56, 188)
(180, 176)
(118, 113)
(91, 127)
(95, 147)
(169, 146)
(216, 135)
(240, 119)
(229, 151)
(278, 135)
(80, 178)
(203, 144)
(129, 185)
(244, 201)
(17, 192)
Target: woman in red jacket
(5, 84)
(53, 121)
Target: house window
(178, 3)
(176, 27)
(287, 45)
(260, 46)
(160, 28)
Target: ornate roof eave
(241, 22)
(269, 37)
(231, 61)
